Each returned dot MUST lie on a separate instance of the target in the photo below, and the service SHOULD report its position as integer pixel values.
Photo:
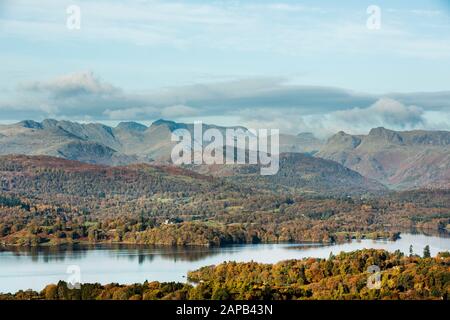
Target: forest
(342, 276)
(226, 219)
(213, 221)
(47, 201)
(50, 202)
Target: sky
(320, 66)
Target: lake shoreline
(264, 281)
(344, 236)
(24, 268)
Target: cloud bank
(256, 102)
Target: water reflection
(45, 254)
(24, 268)
(422, 231)
(143, 253)
(140, 253)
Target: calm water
(33, 269)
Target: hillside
(37, 175)
(128, 142)
(400, 160)
(92, 143)
(52, 201)
(343, 276)
(299, 172)
(409, 159)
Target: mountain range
(401, 160)
(128, 142)
(53, 175)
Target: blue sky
(292, 64)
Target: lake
(22, 268)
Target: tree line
(342, 276)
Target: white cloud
(178, 111)
(131, 113)
(384, 112)
(72, 84)
(426, 13)
(277, 27)
(256, 102)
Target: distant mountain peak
(386, 134)
(131, 126)
(401, 159)
(172, 125)
(344, 140)
(379, 131)
(31, 124)
(306, 135)
(160, 122)
(46, 123)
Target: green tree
(426, 252)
